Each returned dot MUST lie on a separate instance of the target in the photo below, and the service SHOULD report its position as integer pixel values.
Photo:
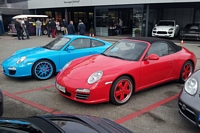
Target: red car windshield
(127, 50)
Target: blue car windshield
(57, 44)
(18, 126)
(126, 50)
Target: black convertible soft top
(151, 40)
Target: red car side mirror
(152, 57)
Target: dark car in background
(189, 99)
(60, 124)
(190, 32)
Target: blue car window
(95, 43)
(80, 43)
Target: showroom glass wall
(133, 17)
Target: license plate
(61, 88)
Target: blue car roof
(77, 36)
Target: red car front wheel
(121, 90)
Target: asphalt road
(154, 110)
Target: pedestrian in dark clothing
(71, 29)
(64, 27)
(81, 28)
(19, 29)
(117, 28)
(26, 28)
(53, 28)
(48, 24)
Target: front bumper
(99, 91)
(15, 70)
(190, 36)
(191, 114)
(162, 34)
(189, 107)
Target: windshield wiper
(116, 57)
(104, 54)
(46, 47)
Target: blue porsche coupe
(42, 62)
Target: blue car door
(81, 47)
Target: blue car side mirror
(70, 48)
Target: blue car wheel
(43, 69)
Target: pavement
(154, 110)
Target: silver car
(190, 32)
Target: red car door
(153, 72)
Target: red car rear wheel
(121, 90)
(186, 71)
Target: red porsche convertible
(128, 66)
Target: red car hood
(88, 66)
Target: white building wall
(34, 4)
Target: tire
(114, 97)
(186, 70)
(44, 32)
(43, 69)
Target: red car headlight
(95, 77)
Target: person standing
(19, 29)
(120, 25)
(27, 27)
(65, 26)
(57, 27)
(38, 27)
(53, 28)
(81, 27)
(71, 28)
(48, 22)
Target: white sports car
(166, 28)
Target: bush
(91, 31)
(137, 31)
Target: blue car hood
(25, 52)
(29, 51)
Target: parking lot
(154, 110)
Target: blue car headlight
(66, 65)
(95, 77)
(21, 59)
(191, 86)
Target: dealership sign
(71, 1)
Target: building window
(58, 16)
(91, 15)
(101, 17)
(2, 1)
(48, 13)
